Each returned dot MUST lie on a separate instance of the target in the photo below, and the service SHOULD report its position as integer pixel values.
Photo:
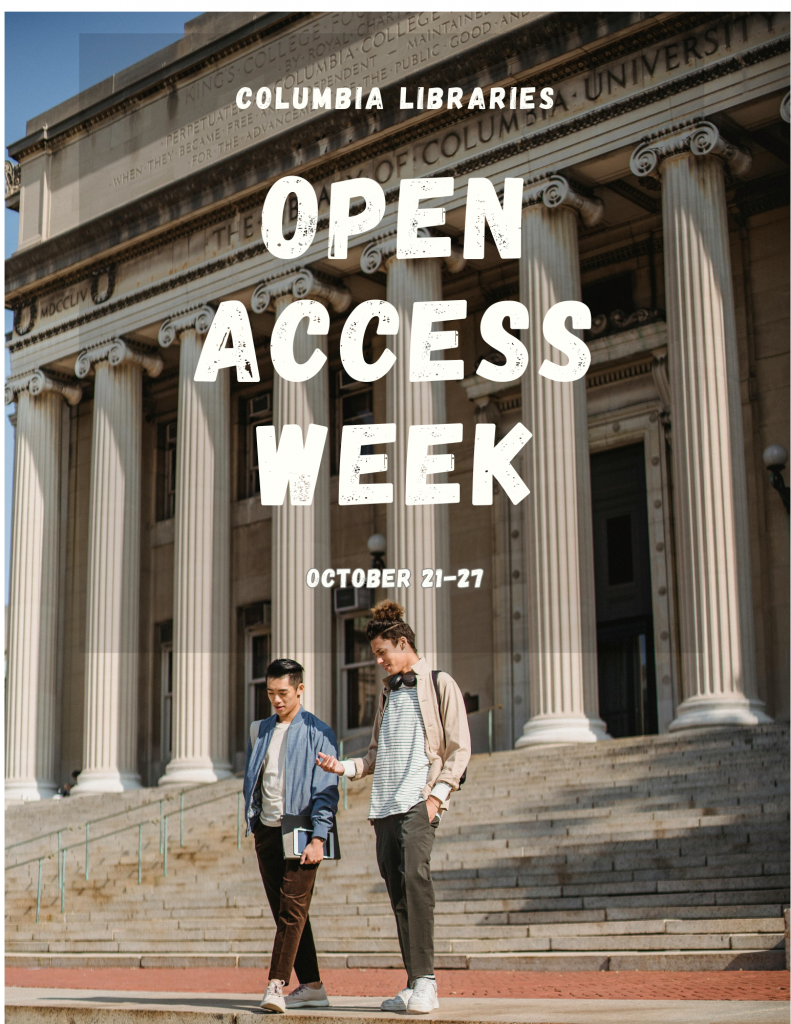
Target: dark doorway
(625, 632)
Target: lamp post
(377, 545)
(775, 458)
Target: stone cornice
(194, 318)
(698, 137)
(554, 190)
(383, 249)
(159, 80)
(302, 283)
(617, 108)
(117, 351)
(37, 382)
(179, 199)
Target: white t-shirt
(273, 778)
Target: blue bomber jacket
(310, 791)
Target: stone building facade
(643, 584)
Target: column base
(542, 730)
(707, 712)
(195, 771)
(29, 789)
(102, 780)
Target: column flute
(202, 561)
(418, 536)
(302, 617)
(710, 491)
(35, 570)
(564, 699)
(113, 632)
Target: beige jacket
(446, 761)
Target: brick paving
(745, 985)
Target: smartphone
(302, 837)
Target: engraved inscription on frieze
(366, 50)
(198, 123)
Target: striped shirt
(402, 764)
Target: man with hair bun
(419, 749)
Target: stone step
(451, 928)
(649, 851)
(698, 960)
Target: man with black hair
(285, 747)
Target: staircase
(661, 852)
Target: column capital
(37, 382)
(302, 283)
(701, 138)
(194, 318)
(116, 351)
(554, 190)
(383, 249)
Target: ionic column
(202, 561)
(301, 616)
(418, 536)
(709, 489)
(31, 712)
(564, 700)
(112, 633)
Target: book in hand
(297, 832)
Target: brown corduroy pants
(289, 888)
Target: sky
(69, 52)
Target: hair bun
(387, 611)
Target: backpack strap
(435, 681)
(254, 730)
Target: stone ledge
(660, 960)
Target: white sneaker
(398, 1004)
(273, 1000)
(306, 996)
(424, 996)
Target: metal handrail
(163, 842)
(490, 712)
(105, 817)
(163, 828)
(135, 824)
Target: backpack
(434, 680)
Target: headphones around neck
(409, 679)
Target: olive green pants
(403, 852)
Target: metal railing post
(63, 887)
(238, 821)
(140, 853)
(38, 890)
(165, 849)
(87, 846)
(181, 820)
(161, 812)
(491, 712)
(60, 845)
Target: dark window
(260, 660)
(620, 561)
(166, 690)
(359, 669)
(256, 412)
(353, 403)
(471, 702)
(166, 470)
(609, 294)
(627, 683)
